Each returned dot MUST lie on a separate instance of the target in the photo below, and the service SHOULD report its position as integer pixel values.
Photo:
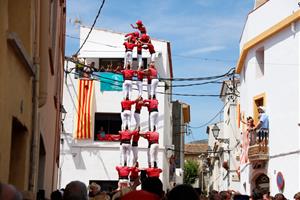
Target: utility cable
(95, 20)
(229, 73)
(214, 117)
(166, 93)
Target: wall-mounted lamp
(63, 112)
(216, 130)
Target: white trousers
(126, 119)
(152, 155)
(125, 153)
(139, 85)
(137, 119)
(153, 120)
(153, 57)
(127, 88)
(140, 60)
(128, 58)
(151, 88)
(134, 154)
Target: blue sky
(204, 36)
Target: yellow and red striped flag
(83, 128)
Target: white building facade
(224, 151)
(93, 160)
(269, 75)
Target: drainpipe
(44, 52)
(35, 138)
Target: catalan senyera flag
(83, 123)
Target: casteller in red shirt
(136, 136)
(153, 104)
(134, 173)
(129, 46)
(153, 172)
(123, 171)
(126, 104)
(152, 136)
(133, 36)
(127, 74)
(125, 135)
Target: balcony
(257, 153)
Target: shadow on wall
(98, 154)
(145, 124)
(77, 158)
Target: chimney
(259, 3)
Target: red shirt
(123, 171)
(125, 135)
(152, 136)
(145, 38)
(152, 73)
(129, 46)
(139, 105)
(126, 104)
(153, 104)
(140, 75)
(136, 136)
(142, 29)
(151, 48)
(133, 35)
(134, 173)
(127, 74)
(153, 172)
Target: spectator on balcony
(101, 133)
(251, 133)
(262, 128)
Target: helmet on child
(139, 22)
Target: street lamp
(63, 112)
(216, 130)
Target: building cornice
(263, 36)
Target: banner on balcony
(109, 81)
(83, 123)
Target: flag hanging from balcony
(83, 122)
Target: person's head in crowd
(279, 196)
(56, 195)
(297, 196)
(153, 185)
(75, 190)
(183, 191)
(94, 189)
(225, 195)
(256, 194)
(214, 195)
(9, 192)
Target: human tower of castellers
(128, 175)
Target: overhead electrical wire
(212, 119)
(166, 93)
(229, 73)
(92, 27)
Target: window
(105, 65)
(107, 126)
(112, 63)
(260, 58)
